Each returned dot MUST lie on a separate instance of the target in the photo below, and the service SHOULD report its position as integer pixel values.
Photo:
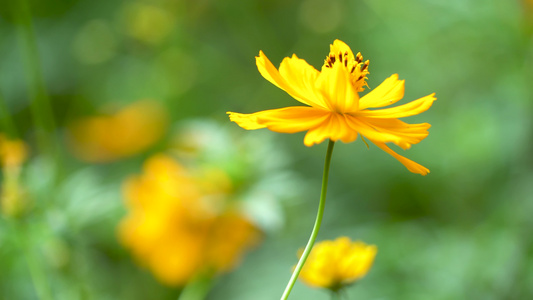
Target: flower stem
(197, 289)
(40, 106)
(7, 121)
(316, 227)
(335, 295)
(35, 267)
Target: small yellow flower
(335, 264)
(178, 227)
(122, 134)
(12, 152)
(335, 111)
(13, 197)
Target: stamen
(365, 66)
(358, 57)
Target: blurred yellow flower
(178, 226)
(335, 110)
(125, 133)
(335, 264)
(12, 152)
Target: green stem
(7, 124)
(196, 289)
(316, 227)
(40, 106)
(335, 295)
(38, 276)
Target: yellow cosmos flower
(178, 226)
(335, 110)
(13, 196)
(12, 152)
(335, 264)
(127, 132)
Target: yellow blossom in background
(335, 264)
(13, 153)
(178, 226)
(335, 110)
(122, 134)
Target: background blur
(71, 71)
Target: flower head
(13, 196)
(335, 264)
(334, 108)
(12, 152)
(178, 225)
(124, 133)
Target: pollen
(354, 65)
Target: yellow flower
(335, 110)
(13, 197)
(335, 264)
(176, 226)
(12, 152)
(124, 133)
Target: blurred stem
(40, 107)
(335, 295)
(316, 227)
(37, 274)
(7, 122)
(196, 289)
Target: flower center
(358, 70)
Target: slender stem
(196, 289)
(40, 106)
(37, 273)
(316, 227)
(335, 295)
(7, 125)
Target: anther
(365, 66)
(359, 57)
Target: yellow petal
(409, 164)
(406, 110)
(336, 86)
(389, 130)
(335, 127)
(296, 77)
(334, 264)
(410, 133)
(358, 261)
(339, 46)
(246, 121)
(286, 120)
(371, 133)
(388, 92)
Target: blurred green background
(462, 232)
